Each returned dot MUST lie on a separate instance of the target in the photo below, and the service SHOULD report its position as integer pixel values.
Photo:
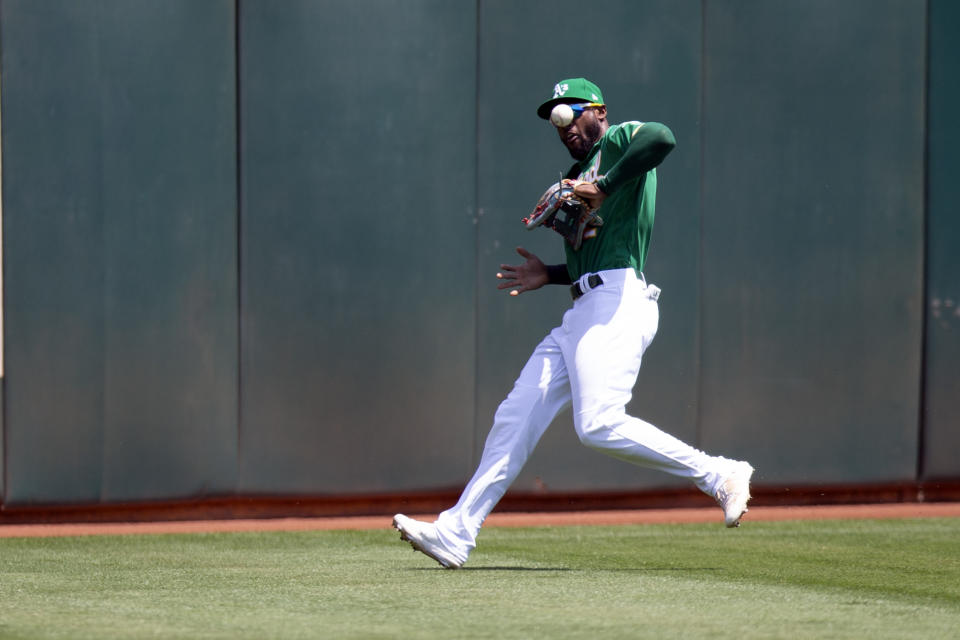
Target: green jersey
(624, 238)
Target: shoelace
(723, 495)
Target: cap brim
(547, 107)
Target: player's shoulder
(622, 132)
(628, 125)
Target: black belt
(593, 280)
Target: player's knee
(594, 428)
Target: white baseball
(562, 115)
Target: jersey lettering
(593, 171)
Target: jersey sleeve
(643, 146)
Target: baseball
(562, 115)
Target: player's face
(580, 135)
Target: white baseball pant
(592, 361)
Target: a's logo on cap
(560, 89)
(594, 97)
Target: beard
(580, 146)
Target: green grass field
(818, 579)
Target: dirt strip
(637, 516)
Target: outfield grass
(818, 579)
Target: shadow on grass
(491, 569)
(516, 569)
(641, 569)
(558, 569)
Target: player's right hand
(590, 193)
(530, 275)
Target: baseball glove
(564, 212)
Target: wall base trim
(254, 506)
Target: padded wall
(318, 314)
(2, 391)
(357, 261)
(119, 249)
(942, 370)
(813, 237)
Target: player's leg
(539, 394)
(604, 342)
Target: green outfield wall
(357, 245)
(813, 244)
(249, 247)
(941, 382)
(120, 249)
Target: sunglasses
(578, 109)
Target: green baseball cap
(571, 91)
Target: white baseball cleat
(733, 494)
(423, 537)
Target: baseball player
(604, 210)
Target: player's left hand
(591, 193)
